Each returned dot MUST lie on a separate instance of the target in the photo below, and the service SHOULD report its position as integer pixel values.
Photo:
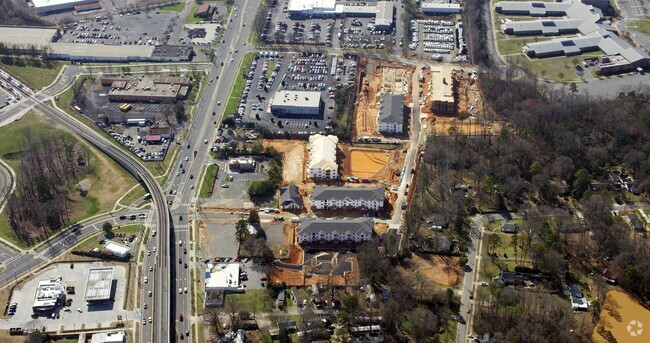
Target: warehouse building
(384, 19)
(348, 230)
(117, 250)
(99, 285)
(147, 88)
(44, 7)
(24, 38)
(241, 164)
(297, 104)
(440, 8)
(48, 295)
(93, 6)
(443, 91)
(391, 113)
(383, 11)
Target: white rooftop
(108, 337)
(323, 152)
(46, 3)
(306, 5)
(47, 292)
(296, 98)
(99, 284)
(222, 275)
(25, 37)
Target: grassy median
(240, 82)
(208, 181)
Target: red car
(180, 316)
(471, 295)
(263, 278)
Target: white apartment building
(322, 151)
(366, 198)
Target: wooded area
(50, 165)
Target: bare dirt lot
(623, 317)
(374, 164)
(380, 78)
(467, 127)
(442, 270)
(293, 160)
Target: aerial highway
(160, 304)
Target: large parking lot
(136, 29)
(272, 72)
(90, 316)
(436, 39)
(231, 188)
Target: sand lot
(366, 163)
(293, 159)
(624, 317)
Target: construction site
(380, 78)
(381, 166)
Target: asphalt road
(6, 183)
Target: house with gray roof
(391, 113)
(290, 198)
(364, 198)
(315, 230)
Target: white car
(148, 252)
(149, 293)
(187, 158)
(144, 322)
(149, 319)
(180, 243)
(154, 249)
(150, 268)
(218, 103)
(79, 310)
(185, 289)
(146, 280)
(180, 291)
(145, 306)
(205, 141)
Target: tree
(573, 88)
(253, 217)
(494, 241)
(581, 183)
(179, 111)
(212, 320)
(241, 231)
(232, 307)
(108, 228)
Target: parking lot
(359, 33)
(90, 316)
(200, 34)
(436, 39)
(149, 28)
(280, 29)
(231, 189)
(272, 72)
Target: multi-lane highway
(6, 182)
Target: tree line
(48, 163)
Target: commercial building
(204, 11)
(242, 164)
(171, 53)
(48, 294)
(290, 198)
(99, 285)
(363, 198)
(117, 250)
(220, 279)
(147, 88)
(93, 6)
(439, 8)
(390, 118)
(297, 104)
(43, 7)
(79, 52)
(317, 230)
(443, 91)
(322, 163)
(24, 38)
(382, 11)
(108, 337)
(584, 18)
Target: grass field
(108, 180)
(208, 181)
(240, 82)
(173, 8)
(33, 76)
(558, 69)
(514, 45)
(641, 25)
(254, 300)
(191, 19)
(93, 241)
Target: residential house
(578, 301)
(364, 198)
(510, 227)
(316, 230)
(511, 278)
(636, 223)
(322, 151)
(204, 11)
(290, 198)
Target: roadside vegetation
(343, 113)
(641, 25)
(173, 8)
(238, 88)
(34, 73)
(207, 187)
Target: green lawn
(641, 25)
(7, 233)
(515, 45)
(208, 181)
(238, 87)
(173, 8)
(255, 299)
(558, 69)
(191, 19)
(93, 241)
(33, 76)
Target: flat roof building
(147, 88)
(297, 104)
(48, 293)
(26, 37)
(50, 6)
(108, 337)
(390, 118)
(322, 151)
(117, 250)
(384, 19)
(443, 89)
(315, 230)
(97, 52)
(172, 53)
(99, 284)
(220, 278)
(242, 164)
(432, 8)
